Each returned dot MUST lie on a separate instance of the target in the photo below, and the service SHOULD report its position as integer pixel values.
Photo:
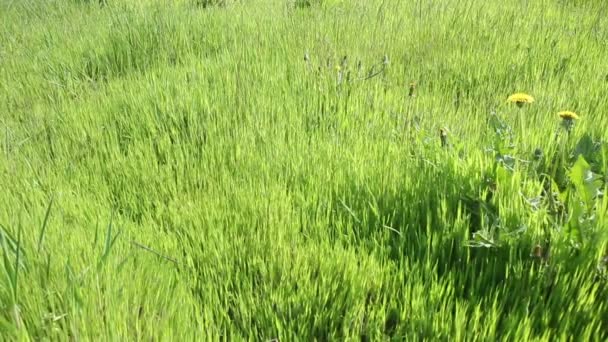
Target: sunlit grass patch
(331, 170)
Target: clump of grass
(170, 173)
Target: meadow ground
(266, 169)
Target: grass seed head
(541, 253)
(443, 135)
(537, 252)
(412, 91)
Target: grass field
(339, 170)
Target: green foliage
(272, 174)
(581, 197)
(211, 3)
(314, 3)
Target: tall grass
(179, 171)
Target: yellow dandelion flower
(520, 99)
(568, 115)
(568, 118)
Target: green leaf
(578, 170)
(585, 147)
(503, 178)
(574, 227)
(585, 182)
(562, 196)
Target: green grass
(181, 172)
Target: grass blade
(146, 248)
(16, 269)
(110, 241)
(45, 224)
